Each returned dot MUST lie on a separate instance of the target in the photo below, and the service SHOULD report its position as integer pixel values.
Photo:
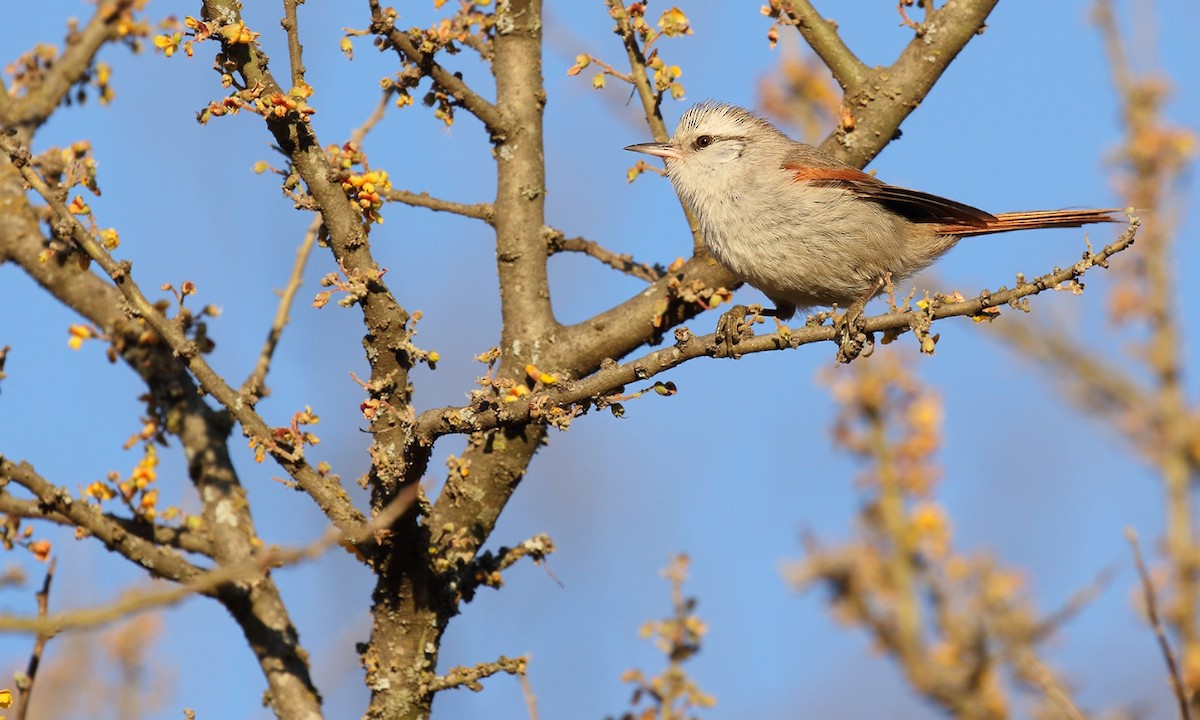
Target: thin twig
(295, 49)
(25, 690)
(625, 263)
(377, 115)
(1050, 686)
(530, 698)
(651, 103)
(479, 211)
(651, 100)
(254, 385)
(1077, 602)
(469, 677)
(1185, 710)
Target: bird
(807, 229)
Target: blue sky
(731, 470)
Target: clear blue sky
(731, 470)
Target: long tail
(1035, 219)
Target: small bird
(807, 229)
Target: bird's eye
(704, 141)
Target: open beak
(662, 150)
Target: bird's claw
(852, 338)
(736, 324)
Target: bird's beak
(662, 150)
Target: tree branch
(1151, 601)
(291, 26)
(35, 107)
(822, 36)
(193, 541)
(160, 561)
(651, 102)
(880, 101)
(487, 415)
(558, 242)
(478, 211)
(470, 677)
(331, 498)
(25, 689)
(498, 126)
(254, 385)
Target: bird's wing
(911, 204)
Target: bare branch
(387, 338)
(486, 569)
(651, 102)
(1077, 602)
(208, 582)
(823, 38)
(25, 688)
(558, 242)
(1177, 684)
(878, 102)
(376, 116)
(520, 207)
(478, 211)
(254, 385)
(295, 50)
(470, 677)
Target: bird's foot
(850, 333)
(735, 324)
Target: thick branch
(470, 505)
(521, 181)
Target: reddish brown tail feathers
(1006, 222)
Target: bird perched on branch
(807, 229)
